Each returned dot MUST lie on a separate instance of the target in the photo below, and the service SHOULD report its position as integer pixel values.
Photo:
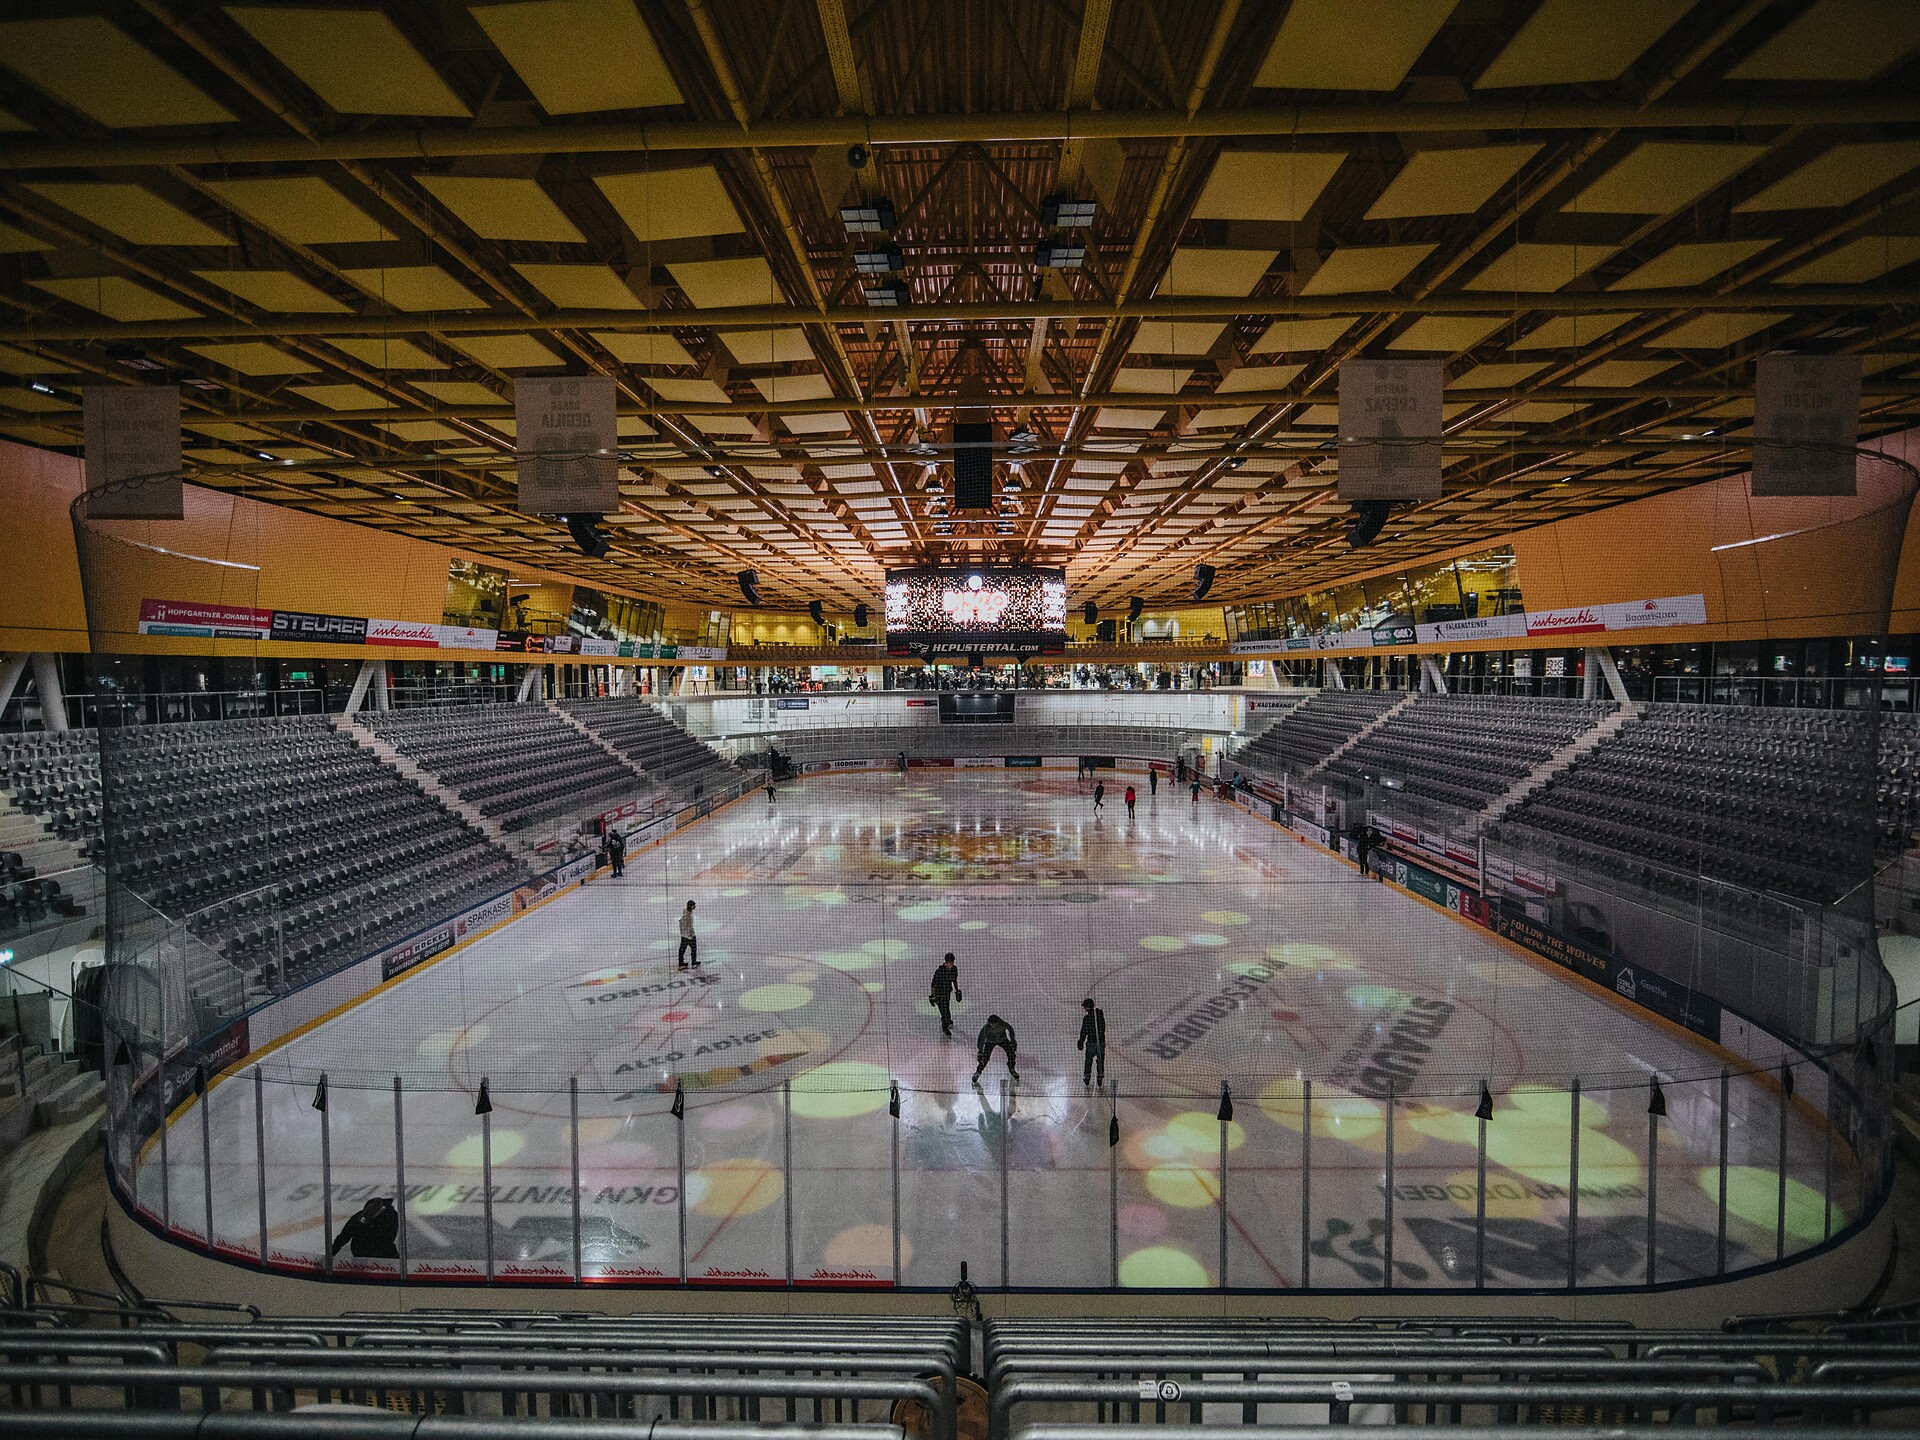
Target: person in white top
(689, 942)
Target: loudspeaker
(1103, 632)
(749, 582)
(1202, 581)
(1369, 518)
(972, 465)
(584, 528)
(1090, 612)
(816, 613)
(860, 613)
(1134, 607)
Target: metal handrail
(366, 1423)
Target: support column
(358, 694)
(1432, 678)
(11, 669)
(527, 682)
(1600, 661)
(1331, 677)
(53, 700)
(382, 695)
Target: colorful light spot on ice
(839, 1090)
(1163, 943)
(770, 998)
(733, 1186)
(467, 1154)
(1224, 917)
(1162, 1267)
(1753, 1195)
(1189, 1187)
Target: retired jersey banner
(1806, 422)
(132, 435)
(1390, 429)
(567, 443)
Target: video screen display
(1005, 610)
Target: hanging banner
(132, 433)
(567, 444)
(1390, 429)
(1806, 422)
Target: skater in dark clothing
(769, 790)
(995, 1034)
(1093, 1043)
(371, 1231)
(617, 852)
(1100, 795)
(902, 762)
(689, 942)
(1130, 798)
(945, 990)
(1153, 782)
(1366, 841)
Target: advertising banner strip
(185, 617)
(1622, 615)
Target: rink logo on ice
(1408, 1030)
(1205, 1017)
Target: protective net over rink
(1312, 1078)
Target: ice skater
(1130, 798)
(617, 852)
(995, 1034)
(769, 789)
(1193, 791)
(689, 942)
(371, 1231)
(1153, 781)
(1092, 1044)
(944, 991)
(1099, 794)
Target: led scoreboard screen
(1004, 610)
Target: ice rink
(1221, 949)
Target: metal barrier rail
(267, 1387)
(548, 1356)
(362, 1423)
(1633, 1403)
(1454, 1432)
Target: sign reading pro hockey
(1806, 422)
(567, 444)
(1390, 429)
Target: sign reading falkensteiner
(567, 442)
(1535, 624)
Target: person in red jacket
(1130, 799)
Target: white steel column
(527, 682)
(1330, 669)
(53, 700)
(1600, 659)
(1432, 677)
(358, 694)
(10, 672)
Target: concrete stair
(1498, 807)
(430, 783)
(51, 1090)
(1363, 732)
(37, 846)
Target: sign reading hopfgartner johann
(567, 445)
(133, 435)
(1390, 429)
(1806, 422)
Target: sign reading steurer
(567, 442)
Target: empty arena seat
(1314, 729)
(644, 735)
(517, 764)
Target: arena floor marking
(821, 923)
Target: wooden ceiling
(346, 228)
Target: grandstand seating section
(652, 743)
(56, 778)
(1774, 800)
(1309, 733)
(517, 764)
(1466, 750)
(283, 840)
(842, 1377)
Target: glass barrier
(1538, 1036)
